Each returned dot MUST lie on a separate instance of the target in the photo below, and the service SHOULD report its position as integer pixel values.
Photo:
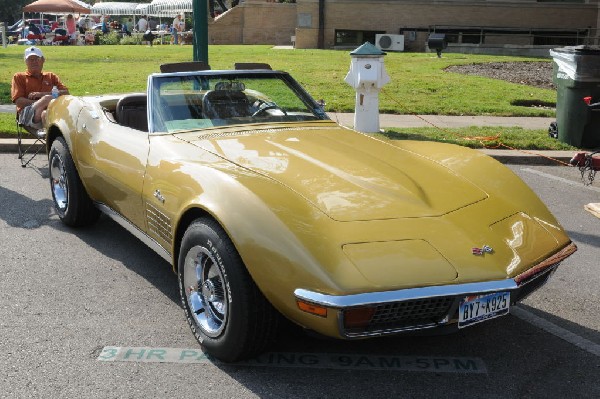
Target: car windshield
(181, 102)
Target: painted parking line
(557, 331)
(335, 361)
(562, 179)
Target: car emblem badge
(482, 251)
(159, 196)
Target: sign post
(200, 14)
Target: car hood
(348, 175)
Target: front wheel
(226, 311)
(72, 203)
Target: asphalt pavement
(439, 121)
(94, 313)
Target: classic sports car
(265, 207)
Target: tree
(12, 10)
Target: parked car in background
(266, 208)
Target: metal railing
(485, 35)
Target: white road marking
(557, 331)
(542, 323)
(562, 179)
(336, 361)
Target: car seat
(225, 104)
(132, 112)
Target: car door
(112, 162)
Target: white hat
(33, 51)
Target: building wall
(395, 16)
(262, 22)
(227, 28)
(255, 22)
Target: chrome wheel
(226, 311)
(205, 291)
(71, 201)
(59, 183)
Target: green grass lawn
(482, 137)
(419, 84)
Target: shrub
(110, 38)
(134, 38)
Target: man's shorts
(26, 118)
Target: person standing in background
(152, 23)
(181, 27)
(177, 27)
(142, 24)
(71, 29)
(126, 27)
(104, 21)
(82, 24)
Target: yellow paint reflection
(514, 243)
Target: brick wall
(262, 22)
(255, 22)
(393, 16)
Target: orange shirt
(24, 83)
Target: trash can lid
(580, 50)
(579, 63)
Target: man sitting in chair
(31, 91)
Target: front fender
(61, 117)
(284, 241)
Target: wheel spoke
(59, 183)
(205, 291)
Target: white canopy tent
(114, 8)
(142, 9)
(169, 7)
(157, 8)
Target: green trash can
(577, 75)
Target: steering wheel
(265, 106)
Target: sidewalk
(440, 121)
(448, 122)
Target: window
(354, 37)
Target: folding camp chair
(28, 150)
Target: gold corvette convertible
(265, 207)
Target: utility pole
(200, 13)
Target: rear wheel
(72, 203)
(226, 311)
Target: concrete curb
(10, 146)
(516, 157)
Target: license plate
(475, 309)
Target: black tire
(72, 203)
(229, 316)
